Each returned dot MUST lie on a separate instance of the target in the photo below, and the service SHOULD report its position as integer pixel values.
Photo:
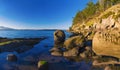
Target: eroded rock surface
(107, 43)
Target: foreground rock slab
(18, 44)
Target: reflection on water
(28, 60)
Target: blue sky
(39, 14)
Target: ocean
(28, 60)
(27, 57)
(28, 33)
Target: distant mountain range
(5, 28)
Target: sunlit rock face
(107, 39)
(107, 43)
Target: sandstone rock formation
(106, 41)
(71, 53)
(104, 30)
(76, 41)
(59, 38)
(56, 51)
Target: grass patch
(90, 23)
(8, 42)
(116, 16)
(107, 14)
(42, 62)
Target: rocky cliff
(105, 31)
(106, 20)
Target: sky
(39, 14)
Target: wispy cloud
(10, 23)
(21, 25)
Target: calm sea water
(28, 33)
(40, 51)
(31, 54)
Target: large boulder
(107, 43)
(59, 37)
(71, 53)
(75, 41)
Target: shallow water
(28, 60)
(31, 56)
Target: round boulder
(11, 57)
(59, 37)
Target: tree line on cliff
(92, 10)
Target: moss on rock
(76, 41)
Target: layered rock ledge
(18, 44)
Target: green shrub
(107, 14)
(116, 16)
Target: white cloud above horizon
(9, 23)
(19, 25)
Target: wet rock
(19, 45)
(107, 68)
(43, 65)
(88, 48)
(11, 57)
(76, 41)
(89, 52)
(72, 52)
(59, 37)
(83, 55)
(56, 51)
(95, 62)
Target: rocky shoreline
(104, 34)
(97, 44)
(19, 45)
(79, 47)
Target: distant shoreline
(33, 30)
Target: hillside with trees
(92, 10)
